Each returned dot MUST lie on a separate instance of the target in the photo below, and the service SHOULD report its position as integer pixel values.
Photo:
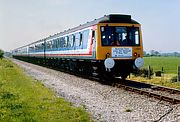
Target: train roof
(111, 18)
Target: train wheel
(72, 66)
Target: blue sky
(26, 21)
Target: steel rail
(158, 87)
(147, 93)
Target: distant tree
(176, 54)
(144, 53)
(148, 55)
(154, 53)
(157, 53)
(1, 53)
(7, 54)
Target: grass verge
(25, 99)
(169, 65)
(165, 80)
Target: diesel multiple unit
(110, 46)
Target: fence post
(162, 71)
(178, 78)
(149, 72)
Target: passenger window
(47, 45)
(77, 39)
(74, 38)
(81, 38)
(85, 38)
(71, 41)
(62, 42)
(42, 46)
(53, 43)
(59, 43)
(66, 41)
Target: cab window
(120, 36)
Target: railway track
(158, 92)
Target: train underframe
(89, 67)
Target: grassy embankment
(24, 99)
(169, 65)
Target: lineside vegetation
(1, 53)
(24, 99)
(168, 77)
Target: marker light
(135, 54)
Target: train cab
(119, 44)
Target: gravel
(103, 102)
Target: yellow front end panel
(103, 52)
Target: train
(110, 46)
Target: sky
(25, 21)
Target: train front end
(119, 45)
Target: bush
(144, 72)
(174, 79)
(1, 53)
(158, 73)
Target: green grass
(162, 81)
(169, 64)
(23, 99)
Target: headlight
(109, 63)
(139, 62)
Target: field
(169, 65)
(25, 99)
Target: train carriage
(109, 46)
